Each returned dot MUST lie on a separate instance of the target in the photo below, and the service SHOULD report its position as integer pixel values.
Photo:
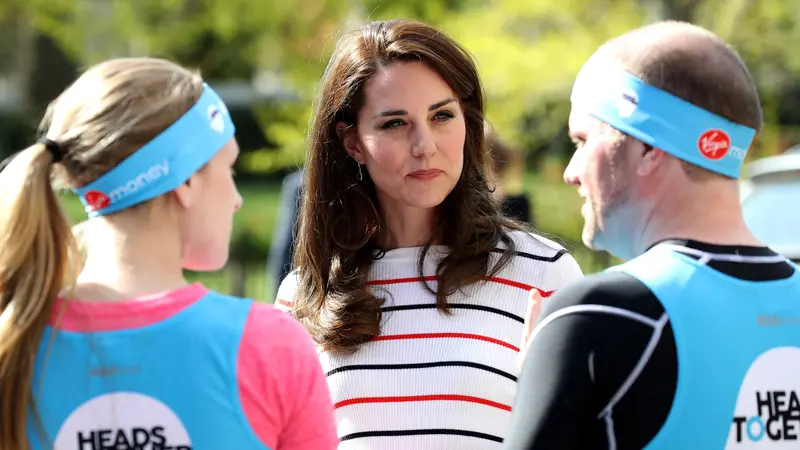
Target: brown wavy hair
(340, 215)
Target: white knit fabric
(432, 381)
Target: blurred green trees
(528, 52)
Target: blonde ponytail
(37, 260)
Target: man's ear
(650, 160)
(349, 137)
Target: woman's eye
(392, 124)
(443, 116)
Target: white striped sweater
(432, 381)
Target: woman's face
(409, 136)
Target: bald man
(694, 343)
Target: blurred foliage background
(265, 58)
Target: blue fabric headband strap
(609, 93)
(164, 163)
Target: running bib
(123, 421)
(767, 414)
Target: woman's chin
(426, 201)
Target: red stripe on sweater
(423, 398)
(395, 337)
(505, 281)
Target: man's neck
(709, 212)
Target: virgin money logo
(96, 200)
(714, 144)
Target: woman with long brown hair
(128, 354)
(408, 277)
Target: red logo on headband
(96, 200)
(714, 144)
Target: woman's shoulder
(534, 244)
(269, 320)
(535, 253)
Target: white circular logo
(223, 108)
(215, 119)
(123, 420)
(767, 414)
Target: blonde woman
(130, 355)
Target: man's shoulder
(605, 291)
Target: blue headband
(660, 119)
(164, 163)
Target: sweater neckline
(411, 253)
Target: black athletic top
(578, 363)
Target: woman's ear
(188, 192)
(349, 137)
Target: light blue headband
(660, 119)
(164, 163)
